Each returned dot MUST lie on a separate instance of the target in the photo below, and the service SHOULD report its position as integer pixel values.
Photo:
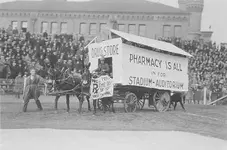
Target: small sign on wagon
(101, 87)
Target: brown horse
(76, 87)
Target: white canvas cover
(140, 67)
(164, 46)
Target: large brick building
(89, 18)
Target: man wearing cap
(103, 67)
(59, 64)
(53, 59)
(2, 66)
(31, 90)
(78, 64)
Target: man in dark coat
(32, 89)
(45, 35)
(14, 70)
(78, 64)
(53, 59)
(103, 67)
(27, 35)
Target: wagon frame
(133, 98)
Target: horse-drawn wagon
(141, 69)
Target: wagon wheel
(130, 102)
(161, 101)
(140, 103)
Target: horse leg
(104, 105)
(81, 100)
(88, 102)
(182, 105)
(38, 103)
(171, 104)
(112, 105)
(184, 101)
(94, 105)
(175, 105)
(56, 102)
(67, 102)
(26, 101)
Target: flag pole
(90, 42)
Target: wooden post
(24, 84)
(204, 95)
(45, 89)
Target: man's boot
(39, 105)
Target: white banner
(101, 87)
(147, 68)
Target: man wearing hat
(103, 67)
(59, 64)
(78, 64)
(2, 66)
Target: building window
(83, 28)
(24, 26)
(132, 29)
(14, 24)
(44, 27)
(54, 28)
(63, 28)
(142, 30)
(102, 27)
(177, 31)
(92, 29)
(121, 27)
(166, 31)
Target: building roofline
(111, 12)
(13, 6)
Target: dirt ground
(199, 119)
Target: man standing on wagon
(103, 68)
(31, 90)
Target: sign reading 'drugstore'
(107, 49)
(151, 69)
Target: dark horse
(74, 86)
(178, 97)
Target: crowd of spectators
(207, 67)
(22, 51)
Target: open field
(199, 119)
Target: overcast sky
(214, 14)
